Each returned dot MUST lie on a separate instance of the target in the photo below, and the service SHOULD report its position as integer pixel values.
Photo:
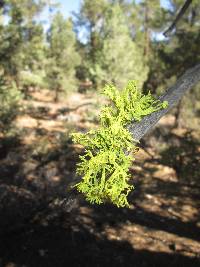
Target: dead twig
(178, 17)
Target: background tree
(22, 42)
(34, 46)
(62, 56)
(89, 21)
(121, 58)
(170, 58)
(9, 103)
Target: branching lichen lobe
(109, 150)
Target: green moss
(109, 150)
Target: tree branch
(178, 17)
(189, 79)
(139, 129)
(172, 95)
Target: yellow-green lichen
(109, 150)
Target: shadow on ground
(34, 233)
(56, 246)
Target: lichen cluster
(109, 150)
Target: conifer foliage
(121, 57)
(63, 57)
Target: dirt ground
(37, 168)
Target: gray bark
(189, 79)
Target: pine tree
(22, 43)
(9, 103)
(12, 40)
(63, 57)
(121, 59)
(89, 21)
(34, 45)
(146, 19)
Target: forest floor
(37, 167)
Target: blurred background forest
(52, 69)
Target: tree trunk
(56, 98)
(146, 33)
(177, 123)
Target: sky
(68, 6)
